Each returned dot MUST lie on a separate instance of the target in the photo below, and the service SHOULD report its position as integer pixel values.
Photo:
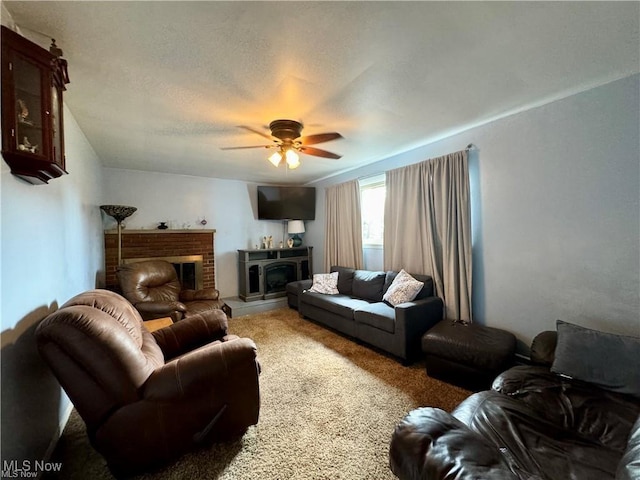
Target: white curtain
(343, 226)
(427, 227)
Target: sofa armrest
(543, 348)
(191, 333)
(303, 285)
(414, 319)
(197, 372)
(429, 443)
(429, 309)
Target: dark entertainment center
(263, 274)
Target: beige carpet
(328, 408)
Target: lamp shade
(119, 212)
(295, 226)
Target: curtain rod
(471, 146)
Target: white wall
(52, 249)
(556, 193)
(229, 206)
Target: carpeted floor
(328, 408)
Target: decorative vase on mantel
(163, 226)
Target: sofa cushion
(378, 315)
(600, 358)
(345, 279)
(368, 285)
(427, 289)
(339, 304)
(326, 283)
(404, 288)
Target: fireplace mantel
(152, 243)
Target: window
(372, 195)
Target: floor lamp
(119, 212)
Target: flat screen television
(286, 203)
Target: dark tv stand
(264, 274)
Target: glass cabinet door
(56, 126)
(28, 101)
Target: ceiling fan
(285, 135)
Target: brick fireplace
(169, 244)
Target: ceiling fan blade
(262, 134)
(319, 138)
(316, 152)
(253, 146)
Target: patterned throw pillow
(325, 283)
(404, 288)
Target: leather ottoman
(470, 356)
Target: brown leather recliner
(153, 288)
(147, 398)
(534, 424)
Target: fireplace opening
(277, 275)
(186, 274)
(189, 269)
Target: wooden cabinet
(263, 274)
(33, 80)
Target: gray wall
(52, 249)
(555, 192)
(229, 206)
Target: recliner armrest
(190, 333)
(160, 307)
(197, 372)
(203, 294)
(429, 443)
(629, 466)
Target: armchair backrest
(100, 352)
(149, 281)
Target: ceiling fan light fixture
(275, 159)
(293, 160)
(288, 143)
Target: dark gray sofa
(359, 311)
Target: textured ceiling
(161, 86)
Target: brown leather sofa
(147, 398)
(153, 288)
(534, 424)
